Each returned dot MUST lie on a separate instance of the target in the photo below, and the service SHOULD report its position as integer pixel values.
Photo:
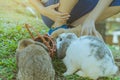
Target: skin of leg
(110, 11)
(65, 6)
(101, 6)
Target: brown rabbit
(33, 61)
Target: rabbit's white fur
(87, 56)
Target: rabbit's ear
(71, 36)
(61, 52)
(22, 44)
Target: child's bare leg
(110, 11)
(65, 6)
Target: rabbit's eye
(60, 39)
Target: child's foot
(54, 29)
(57, 24)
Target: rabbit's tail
(114, 70)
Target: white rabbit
(86, 56)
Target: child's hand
(54, 15)
(88, 28)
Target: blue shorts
(80, 9)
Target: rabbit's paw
(80, 73)
(66, 74)
(70, 71)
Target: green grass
(9, 37)
(12, 30)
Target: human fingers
(60, 14)
(84, 31)
(54, 6)
(89, 31)
(63, 14)
(98, 35)
(65, 17)
(62, 19)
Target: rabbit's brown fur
(33, 61)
